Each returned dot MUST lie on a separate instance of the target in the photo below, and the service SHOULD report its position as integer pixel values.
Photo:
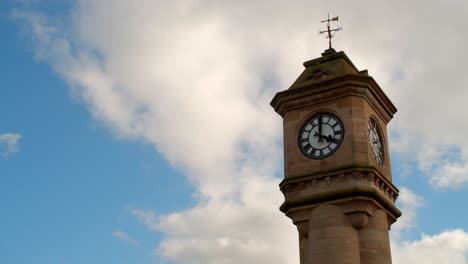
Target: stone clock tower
(338, 183)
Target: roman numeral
(317, 152)
(378, 159)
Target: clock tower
(338, 183)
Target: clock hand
(317, 134)
(329, 138)
(321, 137)
(320, 128)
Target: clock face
(321, 136)
(375, 139)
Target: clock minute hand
(320, 129)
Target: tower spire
(330, 32)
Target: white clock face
(376, 141)
(321, 136)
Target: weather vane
(330, 32)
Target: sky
(141, 131)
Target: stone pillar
(332, 238)
(303, 230)
(374, 241)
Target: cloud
(408, 202)
(227, 232)
(124, 237)
(9, 143)
(200, 98)
(449, 245)
(148, 217)
(432, 93)
(432, 249)
(194, 79)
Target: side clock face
(321, 136)
(376, 141)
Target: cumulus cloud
(125, 237)
(432, 93)
(9, 143)
(196, 90)
(448, 245)
(194, 78)
(250, 231)
(409, 203)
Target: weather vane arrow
(330, 32)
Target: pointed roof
(330, 76)
(331, 65)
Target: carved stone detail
(358, 220)
(293, 188)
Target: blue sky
(72, 183)
(143, 132)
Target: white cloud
(432, 94)
(227, 231)
(148, 217)
(447, 246)
(196, 91)
(124, 237)
(194, 78)
(9, 143)
(408, 202)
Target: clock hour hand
(331, 139)
(320, 136)
(328, 138)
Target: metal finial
(331, 32)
